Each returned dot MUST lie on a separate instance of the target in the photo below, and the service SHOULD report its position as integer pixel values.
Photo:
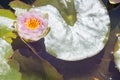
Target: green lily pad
(7, 13)
(19, 4)
(5, 49)
(9, 69)
(7, 34)
(7, 18)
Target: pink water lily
(114, 1)
(32, 25)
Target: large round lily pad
(85, 38)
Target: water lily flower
(32, 25)
(114, 1)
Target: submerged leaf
(7, 34)
(34, 69)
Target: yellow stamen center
(32, 23)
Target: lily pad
(7, 13)
(7, 18)
(7, 34)
(5, 49)
(19, 7)
(35, 69)
(19, 4)
(9, 69)
(86, 38)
